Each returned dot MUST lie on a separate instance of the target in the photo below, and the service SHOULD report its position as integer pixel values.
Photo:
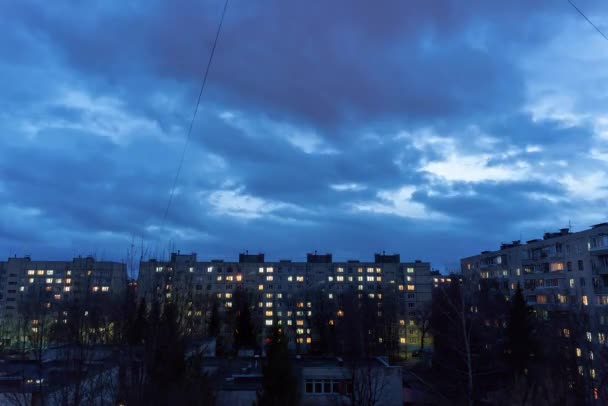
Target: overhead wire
(196, 108)
(588, 20)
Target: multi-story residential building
(51, 283)
(286, 292)
(564, 276)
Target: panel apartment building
(280, 288)
(564, 275)
(56, 282)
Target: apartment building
(285, 292)
(50, 283)
(564, 276)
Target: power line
(198, 101)
(588, 20)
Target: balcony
(602, 250)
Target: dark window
(327, 386)
(318, 387)
(336, 387)
(308, 387)
(569, 266)
(582, 282)
(580, 265)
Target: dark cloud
(97, 97)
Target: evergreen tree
(214, 319)
(244, 333)
(278, 382)
(520, 344)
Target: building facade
(24, 282)
(564, 277)
(286, 292)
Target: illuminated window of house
(260, 287)
(219, 295)
(268, 304)
(268, 313)
(400, 287)
(300, 279)
(269, 269)
(239, 277)
(402, 322)
(31, 272)
(410, 270)
(49, 280)
(340, 269)
(228, 295)
(331, 295)
(340, 278)
(370, 270)
(556, 266)
(411, 287)
(308, 340)
(269, 278)
(601, 338)
(40, 272)
(371, 278)
(229, 278)
(209, 269)
(350, 278)
(290, 278)
(67, 288)
(371, 295)
(299, 322)
(159, 269)
(360, 287)
(57, 280)
(289, 322)
(340, 313)
(261, 269)
(269, 322)
(105, 288)
(584, 300)
(31, 280)
(378, 278)
(589, 336)
(330, 278)
(542, 299)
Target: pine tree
(520, 344)
(278, 382)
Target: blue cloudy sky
(434, 129)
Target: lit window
(299, 322)
(601, 338)
(370, 295)
(289, 322)
(219, 278)
(67, 288)
(57, 297)
(31, 280)
(340, 269)
(49, 280)
(360, 278)
(299, 331)
(95, 288)
(268, 313)
(105, 288)
(31, 272)
(269, 278)
(578, 352)
(191, 269)
(260, 287)
(229, 278)
(268, 304)
(228, 304)
(402, 340)
(159, 269)
(300, 278)
(57, 280)
(41, 272)
(269, 269)
(49, 272)
(209, 269)
(410, 270)
(269, 322)
(68, 281)
(219, 295)
(400, 287)
(589, 336)
(228, 295)
(239, 278)
(592, 372)
(331, 295)
(290, 278)
(350, 278)
(68, 273)
(371, 278)
(340, 278)
(408, 278)
(402, 322)
(370, 270)
(308, 340)
(411, 287)
(378, 278)
(330, 278)
(359, 270)
(340, 313)
(279, 296)
(261, 269)
(585, 301)
(21, 288)
(360, 287)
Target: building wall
(564, 276)
(57, 282)
(275, 286)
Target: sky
(433, 129)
